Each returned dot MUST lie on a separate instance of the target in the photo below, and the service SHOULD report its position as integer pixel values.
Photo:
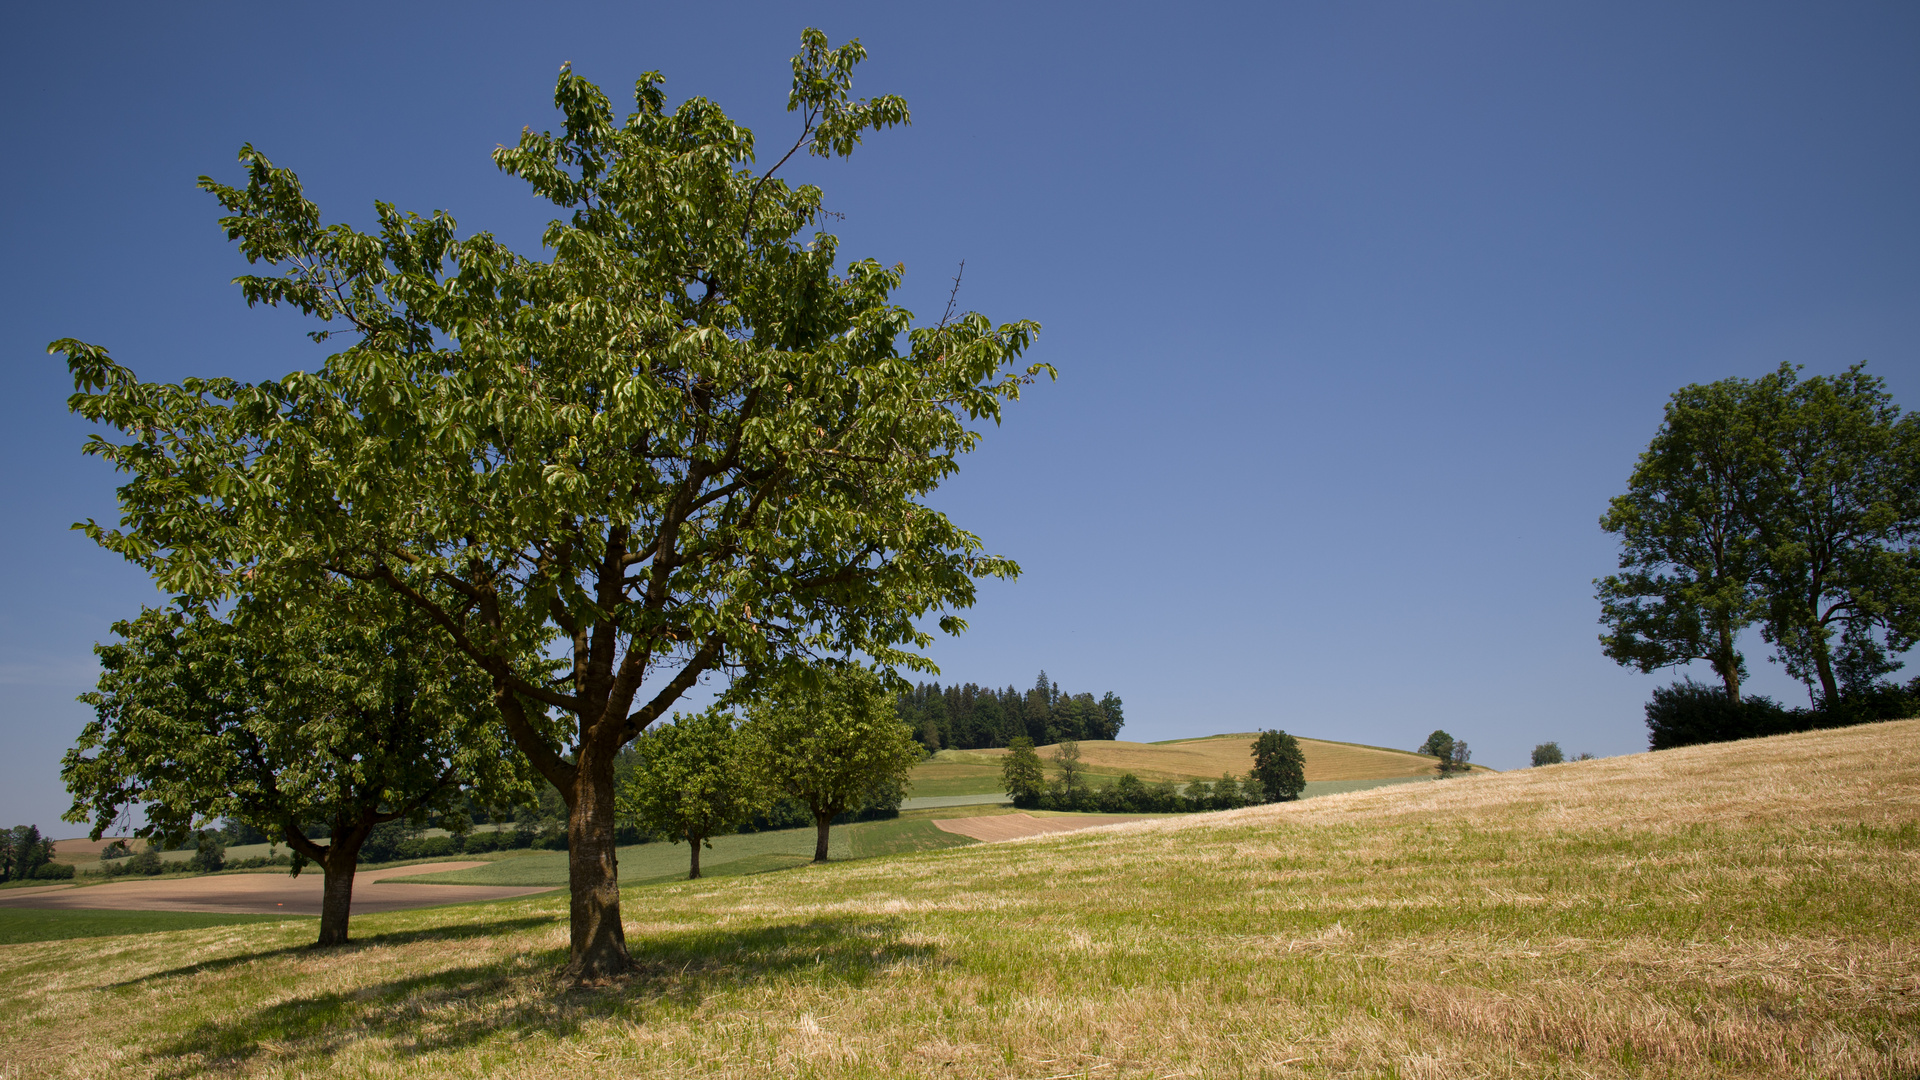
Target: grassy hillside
(972, 772)
(1743, 910)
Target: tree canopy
(687, 442)
(1788, 502)
(832, 743)
(312, 723)
(1279, 766)
(694, 780)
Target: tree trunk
(1727, 664)
(694, 841)
(1823, 663)
(823, 822)
(336, 890)
(599, 947)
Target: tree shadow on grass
(524, 995)
(449, 932)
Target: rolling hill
(970, 772)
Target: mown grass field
(1749, 910)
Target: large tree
(1790, 503)
(1689, 557)
(687, 442)
(313, 723)
(832, 741)
(1836, 510)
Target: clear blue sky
(1361, 311)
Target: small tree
(1279, 766)
(1021, 771)
(345, 711)
(209, 852)
(693, 781)
(1547, 753)
(833, 742)
(1439, 745)
(1457, 758)
(1066, 760)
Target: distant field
(19, 925)
(743, 853)
(977, 772)
(1744, 910)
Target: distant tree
(1227, 792)
(1457, 758)
(831, 741)
(1439, 744)
(1110, 715)
(23, 851)
(694, 781)
(342, 708)
(1066, 762)
(209, 852)
(1547, 753)
(1279, 766)
(1021, 770)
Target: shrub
(1688, 713)
(1547, 753)
(481, 842)
(425, 847)
(147, 862)
(53, 871)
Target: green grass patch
(19, 925)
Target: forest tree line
(973, 717)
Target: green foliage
(209, 852)
(23, 851)
(1787, 502)
(832, 742)
(1279, 766)
(694, 780)
(1547, 753)
(1688, 556)
(1687, 714)
(344, 708)
(1022, 771)
(971, 717)
(1453, 753)
(1070, 772)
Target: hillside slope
(1744, 910)
(957, 772)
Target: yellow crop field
(1206, 759)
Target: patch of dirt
(1015, 826)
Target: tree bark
(823, 822)
(1823, 663)
(599, 945)
(695, 872)
(336, 901)
(1726, 663)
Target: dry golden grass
(1747, 910)
(1206, 759)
